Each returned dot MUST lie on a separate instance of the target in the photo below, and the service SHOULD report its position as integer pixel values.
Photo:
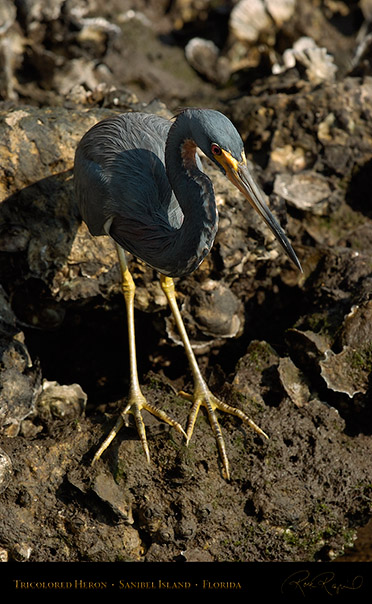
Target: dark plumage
(137, 171)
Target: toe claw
(186, 395)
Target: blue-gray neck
(194, 192)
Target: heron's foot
(136, 403)
(203, 397)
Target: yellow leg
(136, 400)
(202, 396)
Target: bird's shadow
(38, 225)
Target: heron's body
(124, 159)
(138, 179)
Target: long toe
(212, 403)
(136, 404)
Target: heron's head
(218, 138)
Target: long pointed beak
(240, 176)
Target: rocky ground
(292, 350)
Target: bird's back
(120, 171)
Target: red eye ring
(216, 149)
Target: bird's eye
(216, 150)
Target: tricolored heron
(138, 179)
